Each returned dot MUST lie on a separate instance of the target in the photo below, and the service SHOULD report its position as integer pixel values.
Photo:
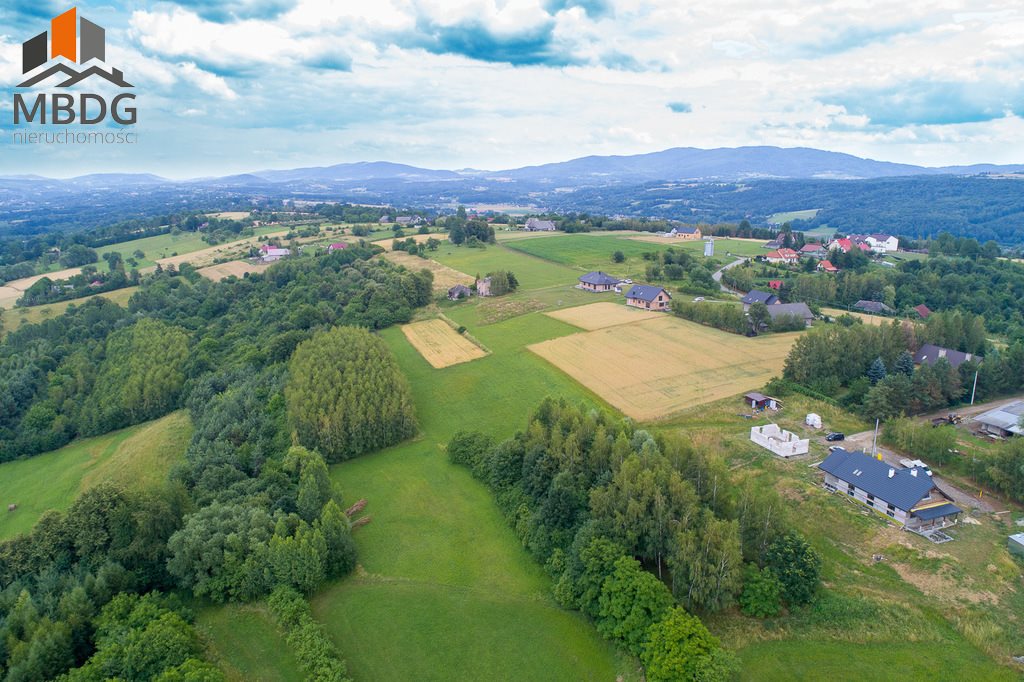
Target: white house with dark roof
(908, 496)
(791, 310)
(757, 296)
(598, 281)
(648, 297)
(537, 225)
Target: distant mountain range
(678, 164)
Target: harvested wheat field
(420, 238)
(867, 318)
(440, 345)
(444, 277)
(238, 268)
(655, 368)
(601, 315)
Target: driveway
(964, 500)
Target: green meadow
(789, 216)
(138, 457)
(166, 245)
(15, 317)
(244, 641)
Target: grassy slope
(16, 317)
(164, 246)
(138, 456)
(244, 641)
(446, 592)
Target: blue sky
(227, 87)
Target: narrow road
(717, 275)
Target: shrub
(762, 592)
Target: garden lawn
(444, 590)
(137, 457)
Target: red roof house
(923, 311)
(826, 266)
(337, 247)
(775, 284)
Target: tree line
(638, 532)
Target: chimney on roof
(892, 472)
(913, 472)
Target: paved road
(717, 275)
(963, 499)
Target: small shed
(759, 401)
(1016, 544)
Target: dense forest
(597, 501)
(247, 513)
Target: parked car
(834, 436)
(626, 281)
(698, 299)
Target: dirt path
(963, 499)
(973, 410)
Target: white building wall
(780, 442)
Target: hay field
(655, 368)
(876, 320)
(440, 345)
(602, 315)
(444, 277)
(238, 268)
(420, 238)
(230, 215)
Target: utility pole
(874, 441)
(975, 389)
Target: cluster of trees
(88, 283)
(679, 266)
(596, 500)
(316, 653)
(725, 316)
(346, 394)
(502, 282)
(469, 232)
(412, 247)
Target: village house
(908, 496)
(459, 292)
(791, 310)
(773, 244)
(813, 250)
(685, 233)
(536, 225)
(757, 296)
(340, 246)
(648, 297)
(929, 354)
(783, 256)
(874, 307)
(1003, 421)
(923, 311)
(878, 243)
(408, 220)
(826, 266)
(272, 254)
(483, 287)
(598, 281)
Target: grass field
(601, 315)
(14, 318)
(446, 592)
(789, 216)
(230, 215)
(440, 345)
(166, 245)
(138, 456)
(654, 368)
(444, 277)
(236, 268)
(420, 238)
(246, 644)
(531, 272)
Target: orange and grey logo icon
(78, 41)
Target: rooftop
(903, 488)
(929, 354)
(599, 278)
(757, 296)
(645, 292)
(1007, 417)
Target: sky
(240, 85)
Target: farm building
(483, 286)
(929, 354)
(340, 246)
(922, 311)
(908, 496)
(684, 233)
(407, 220)
(791, 309)
(598, 281)
(757, 296)
(760, 401)
(778, 441)
(648, 297)
(271, 254)
(826, 266)
(876, 307)
(1003, 421)
(773, 244)
(458, 292)
(813, 250)
(879, 243)
(783, 256)
(1016, 544)
(535, 225)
